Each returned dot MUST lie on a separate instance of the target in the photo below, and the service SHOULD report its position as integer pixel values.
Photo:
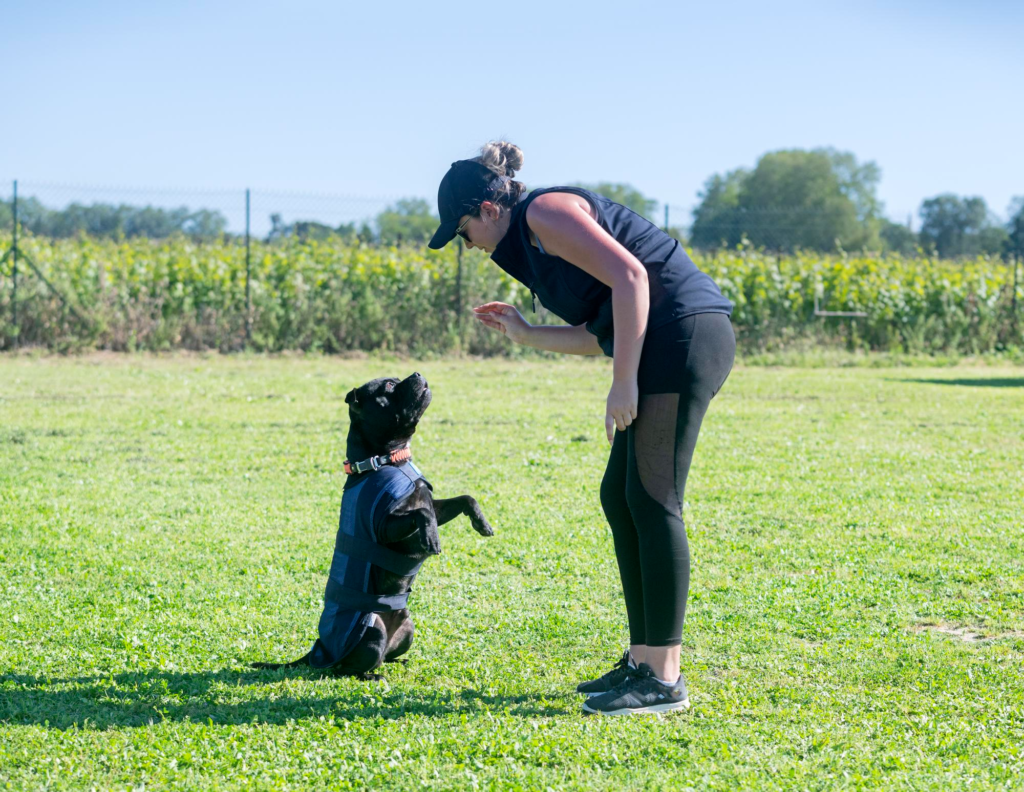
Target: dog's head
(385, 411)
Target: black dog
(388, 527)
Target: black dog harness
(349, 598)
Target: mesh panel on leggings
(655, 447)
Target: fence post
(1013, 298)
(666, 218)
(14, 270)
(248, 275)
(458, 289)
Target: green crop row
(335, 296)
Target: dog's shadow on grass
(235, 697)
(977, 382)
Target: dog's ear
(352, 397)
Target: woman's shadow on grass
(231, 697)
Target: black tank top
(678, 288)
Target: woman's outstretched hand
(622, 404)
(504, 317)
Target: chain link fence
(99, 266)
(62, 210)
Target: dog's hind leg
(368, 654)
(400, 634)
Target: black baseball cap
(465, 186)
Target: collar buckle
(375, 463)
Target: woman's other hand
(622, 405)
(504, 317)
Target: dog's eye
(389, 387)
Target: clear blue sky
(378, 98)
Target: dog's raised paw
(482, 527)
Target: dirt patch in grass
(966, 634)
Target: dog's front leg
(447, 509)
(414, 515)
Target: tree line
(109, 221)
(822, 200)
(825, 200)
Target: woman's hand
(622, 405)
(504, 317)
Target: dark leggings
(682, 367)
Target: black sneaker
(640, 692)
(603, 684)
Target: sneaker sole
(654, 709)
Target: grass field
(856, 616)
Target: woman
(629, 290)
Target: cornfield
(336, 296)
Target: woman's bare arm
(563, 223)
(572, 340)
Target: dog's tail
(302, 661)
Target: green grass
(164, 522)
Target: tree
(625, 194)
(31, 214)
(313, 230)
(792, 199)
(897, 238)
(107, 220)
(857, 182)
(205, 224)
(716, 220)
(408, 220)
(953, 226)
(993, 240)
(278, 228)
(102, 220)
(310, 229)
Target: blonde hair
(503, 159)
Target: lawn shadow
(227, 697)
(994, 382)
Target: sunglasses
(459, 231)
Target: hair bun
(502, 157)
